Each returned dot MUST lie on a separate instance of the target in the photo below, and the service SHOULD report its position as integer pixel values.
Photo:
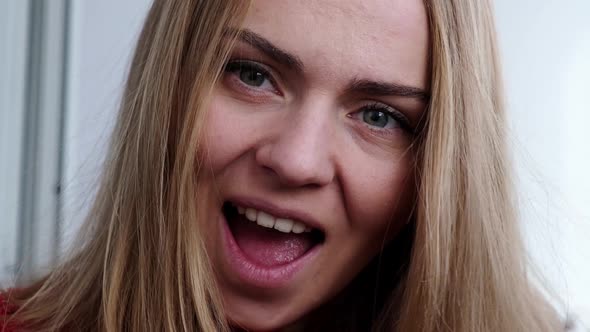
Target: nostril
(268, 170)
(297, 174)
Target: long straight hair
(142, 264)
(468, 267)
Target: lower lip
(257, 275)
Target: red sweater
(6, 309)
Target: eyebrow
(265, 46)
(373, 88)
(360, 86)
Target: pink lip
(278, 212)
(256, 275)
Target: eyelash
(236, 65)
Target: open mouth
(267, 240)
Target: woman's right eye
(251, 74)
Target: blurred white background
(81, 56)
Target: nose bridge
(300, 153)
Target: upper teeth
(266, 220)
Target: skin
(303, 141)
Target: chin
(260, 317)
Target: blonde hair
(468, 268)
(142, 266)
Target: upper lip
(276, 211)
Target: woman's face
(308, 150)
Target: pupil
(252, 77)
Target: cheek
(381, 195)
(225, 138)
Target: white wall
(13, 35)
(546, 52)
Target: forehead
(383, 39)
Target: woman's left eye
(381, 117)
(251, 74)
(377, 118)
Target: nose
(299, 153)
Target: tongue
(269, 247)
